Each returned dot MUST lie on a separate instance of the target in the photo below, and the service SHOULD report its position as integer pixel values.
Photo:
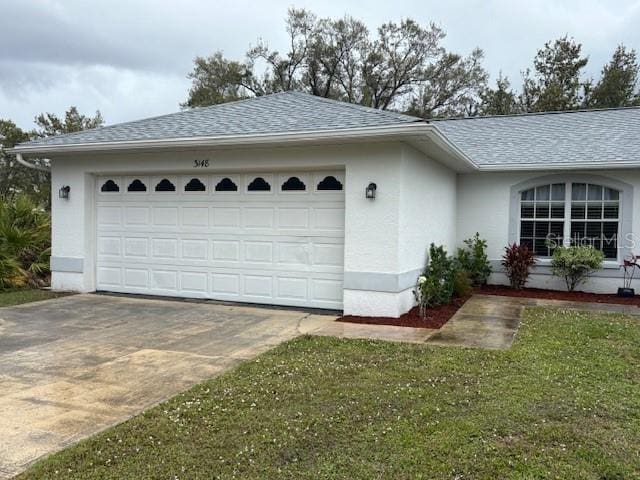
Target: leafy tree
(501, 100)
(16, 179)
(50, 124)
(453, 87)
(555, 83)
(403, 64)
(618, 81)
(218, 80)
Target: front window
(570, 214)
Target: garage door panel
(136, 247)
(326, 290)
(225, 217)
(191, 281)
(258, 286)
(293, 218)
(165, 216)
(294, 288)
(195, 249)
(258, 252)
(257, 217)
(109, 246)
(328, 218)
(136, 277)
(226, 250)
(328, 254)
(165, 280)
(195, 216)
(109, 216)
(274, 247)
(225, 284)
(136, 216)
(109, 276)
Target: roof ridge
(355, 106)
(533, 114)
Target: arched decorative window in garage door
(226, 185)
(330, 183)
(195, 185)
(259, 184)
(137, 186)
(110, 186)
(293, 184)
(165, 186)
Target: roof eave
(401, 132)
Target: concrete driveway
(73, 366)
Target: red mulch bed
(558, 295)
(435, 317)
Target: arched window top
(165, 186)
(330, 183)
(293, 184)
(546, 192)
(259, 184)
(137, 186)
(110, 186)
(226, 185)
(195, 185)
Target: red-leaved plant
(517, 262)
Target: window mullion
(567, 215)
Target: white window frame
(625, 245)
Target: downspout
(23, 162)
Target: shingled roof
(573, 138)
(270, 114)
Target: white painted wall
(483, 206)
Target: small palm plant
(25, 243)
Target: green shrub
(436, 284)
(25, 243)
(575, 264)
(461, 284)
(474, 260)
(11, 274)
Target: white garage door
(269, 238)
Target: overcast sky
(129, 58)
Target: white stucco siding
(371, 239)
(427, 208)
(484, 206)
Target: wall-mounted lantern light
(370, 191)
(64, 192)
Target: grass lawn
(16, 297)
(563, 403)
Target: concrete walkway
(73, 366)
(484, 321)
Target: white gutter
(509, 167)
(23, 162)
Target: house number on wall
(200, 163)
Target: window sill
(606, 265)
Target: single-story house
(291, 199)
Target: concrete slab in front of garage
(73, 366)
